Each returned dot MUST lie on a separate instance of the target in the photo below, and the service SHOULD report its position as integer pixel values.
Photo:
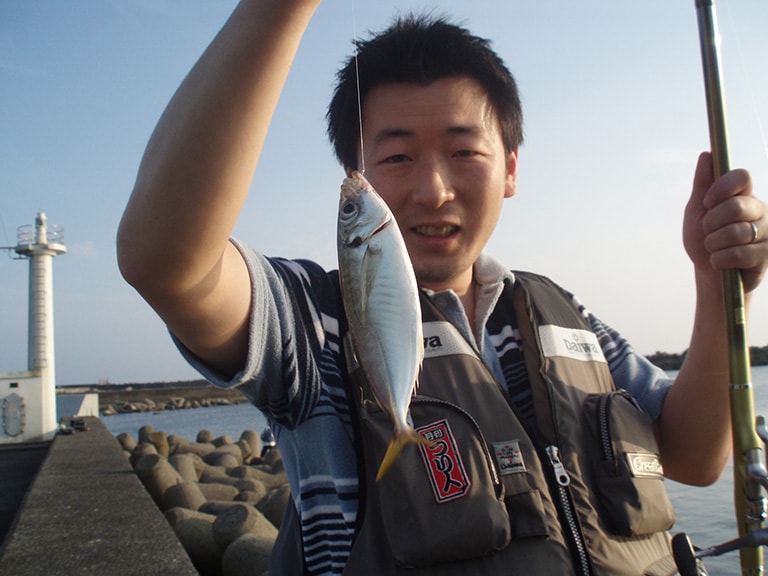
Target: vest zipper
(604, 428)
(604, 424)
(563, 480)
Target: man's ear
(511, 184)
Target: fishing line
(357, 84)
(747, 77)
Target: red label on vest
(443, 462)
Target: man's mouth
(436, 231)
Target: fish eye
(348, 209)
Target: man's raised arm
(173, 242)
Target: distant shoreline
(202, 390)
(156, 396)
(667, 361)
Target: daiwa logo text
(570, 343)
(579, 347)
(442, 339)
(432, 342)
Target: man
(519, 482)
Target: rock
(184, 495)
(246, 451)
(217, 474)
(157, 475)
(240, 519)
(274, 460)
(205, 436)
(142, 449)
(186, 466)
(160, 440)
(249, 497)
(126, 441)
(252, 438)
(195, 532)
(144, 433)
(247, 556)
(218, 491)
(216, 507)
(218, 503)
(266, 477)
(184, 446)
(227, 455)
(273, 505)
(251, 485)
(224, 440)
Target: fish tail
(400, 439)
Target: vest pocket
(629, 478)
(443, 503)
(526, 514)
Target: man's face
(435, 154)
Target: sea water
(705, 514)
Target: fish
(381, 301)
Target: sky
(615, 118)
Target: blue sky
(615, 118)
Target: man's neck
(468, 301)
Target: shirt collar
(489, 275)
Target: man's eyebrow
(462, 129)
(391, 133)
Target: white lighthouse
(28, 399)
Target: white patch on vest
(570, 343)
(442, 339)
(509, 457)
(644, 465)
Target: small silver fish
(382, 304)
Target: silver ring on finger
(754, 232)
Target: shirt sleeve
(286, 337)
(646, 382)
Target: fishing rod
(749, 470)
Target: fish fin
(369, 270)
(400, 439)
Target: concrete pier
(86, 512)
(19, 464)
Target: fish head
(362, 212)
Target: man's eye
(395, 159)
(465, 153)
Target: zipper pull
(561, 474)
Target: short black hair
(420, 49)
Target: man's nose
(433, 186)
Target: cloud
(87, 248)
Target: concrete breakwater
(171, 403)
(86, 512)
(121, 399)
(224, 501)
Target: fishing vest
(582, 493)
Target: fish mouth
(436, 231)
(385, 224)
(358, 241)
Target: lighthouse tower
(40, 245)
(29, 408)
